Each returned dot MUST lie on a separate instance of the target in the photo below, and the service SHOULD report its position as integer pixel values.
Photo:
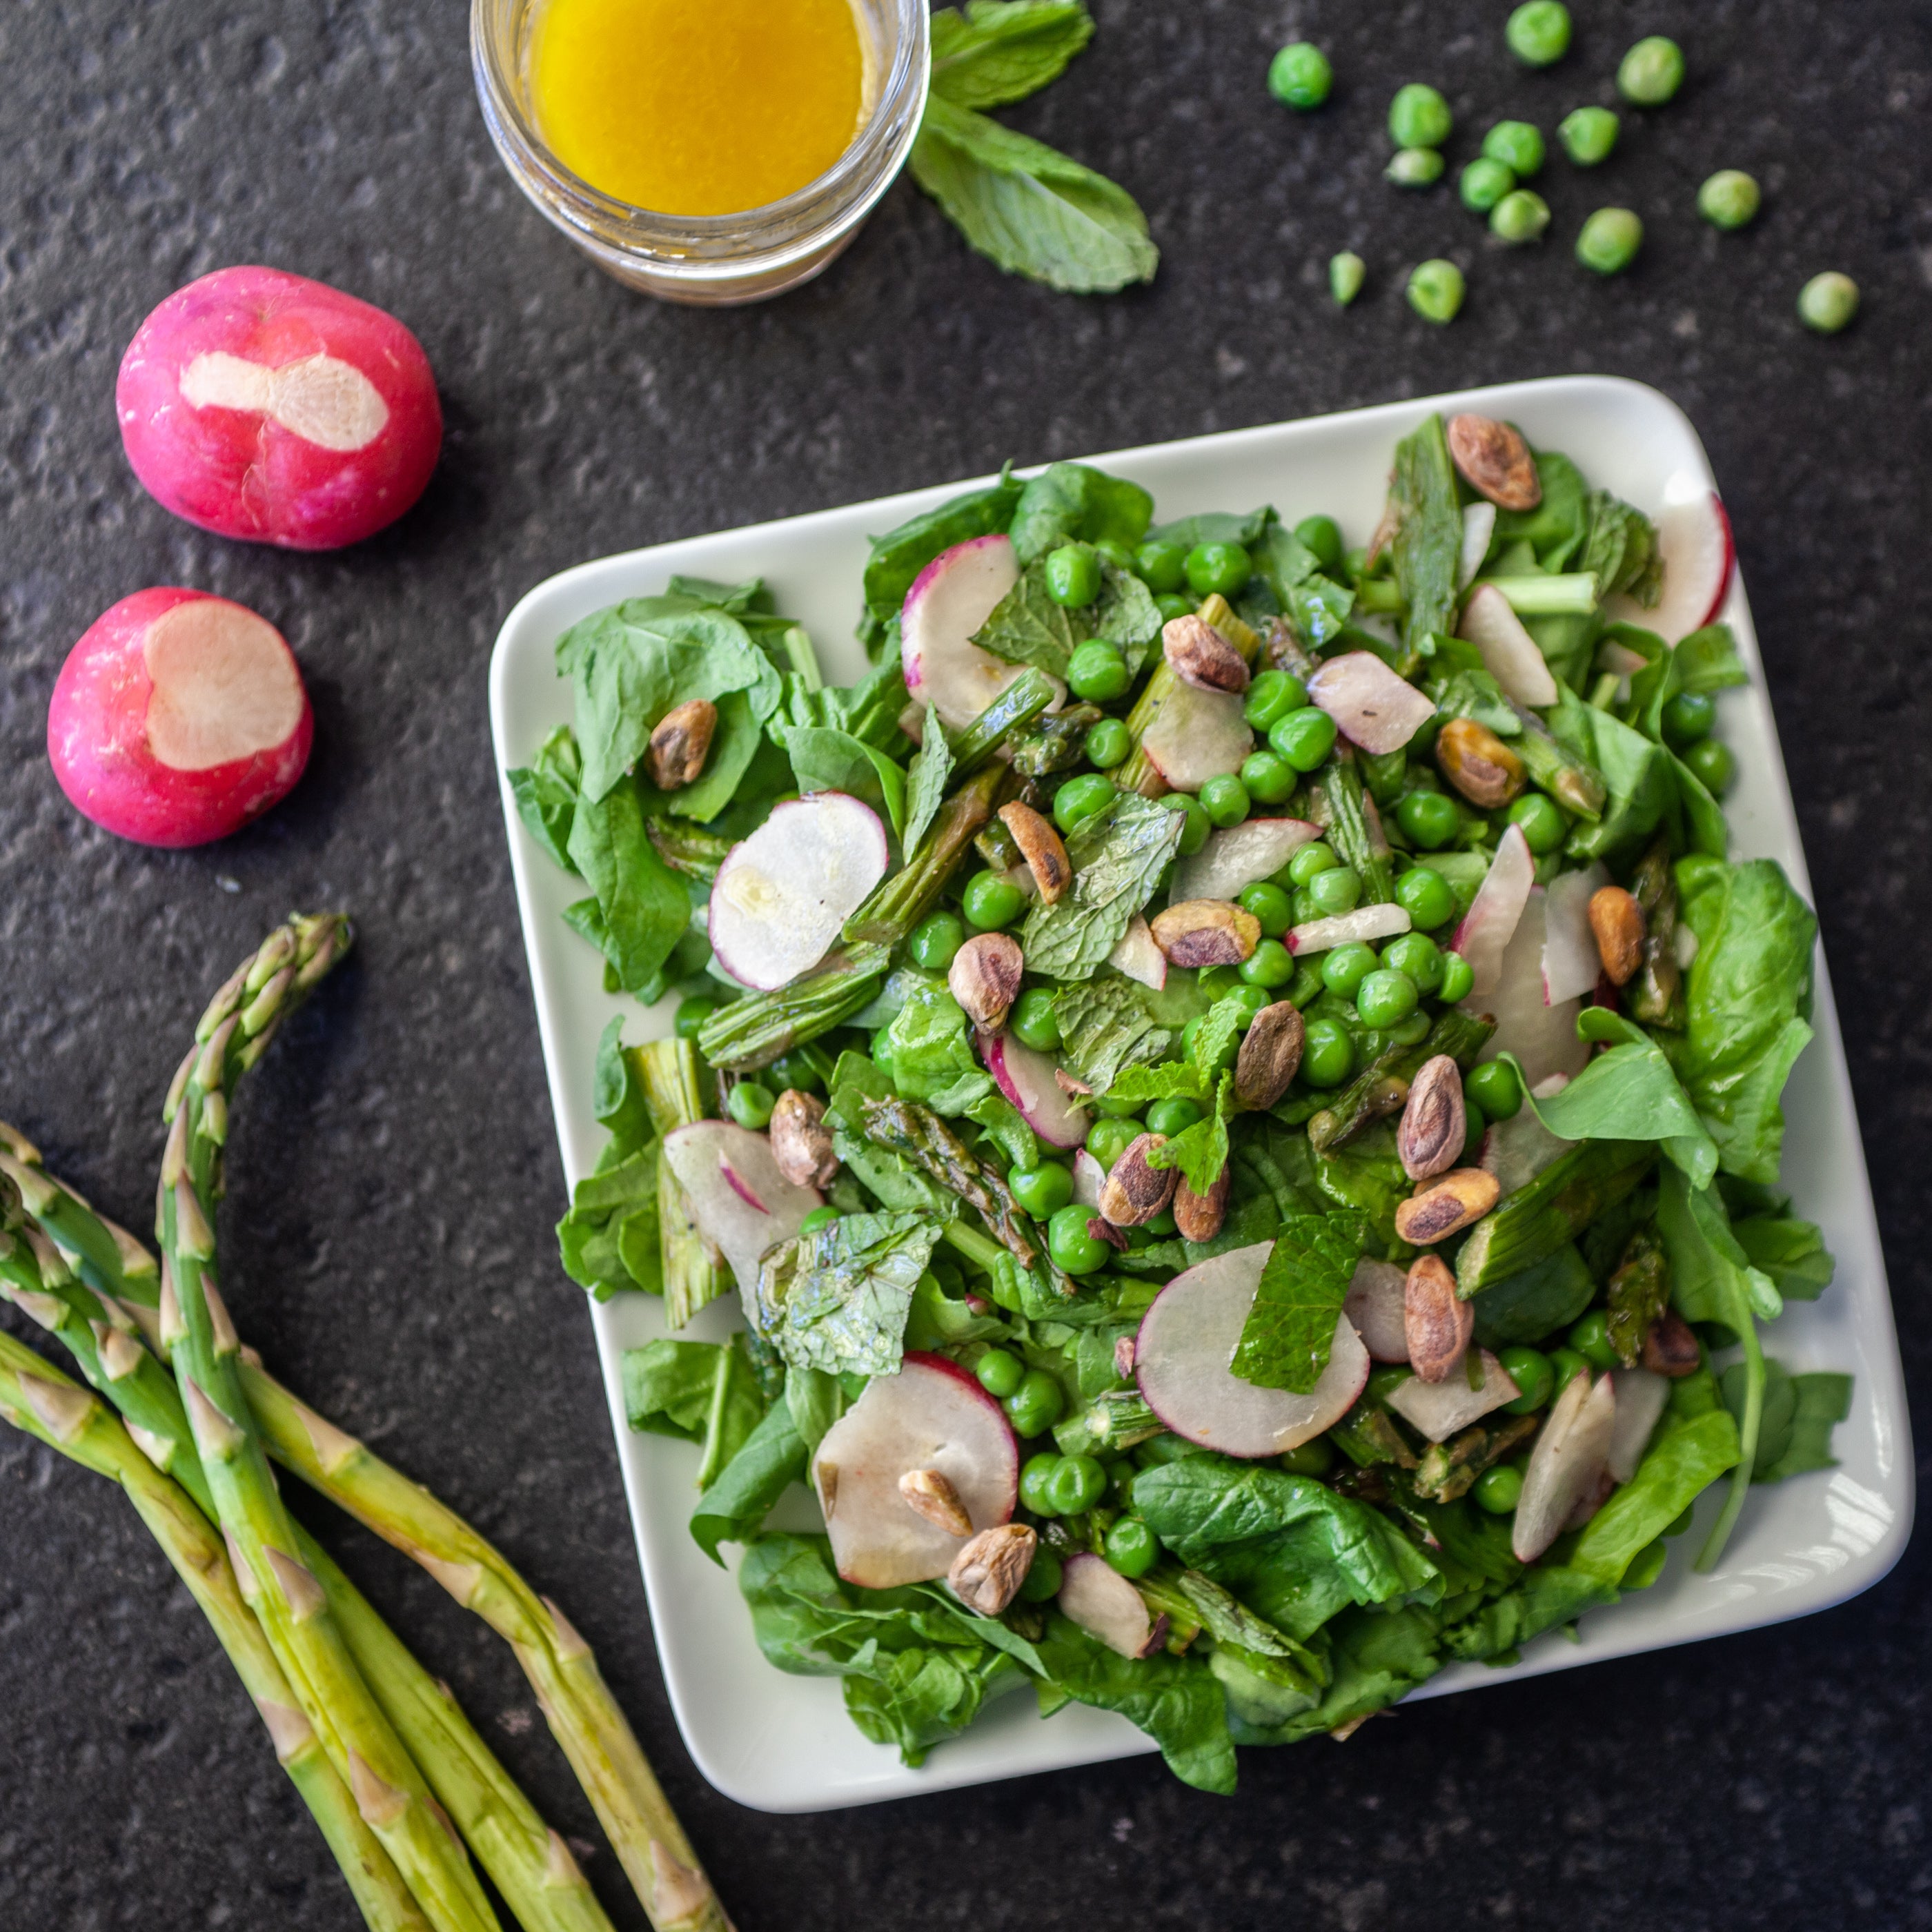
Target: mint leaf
(1026, 625)
(1001, 51)
(1028, 209)
(1104, 1026)
(1118, 855)
(1286, 1341)
(845, 1307)
(1125, 614)
(925, 781)
(1172, 1080)
(1214, 1038)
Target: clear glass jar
(710, 258)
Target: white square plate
(783, 1743)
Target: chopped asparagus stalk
(1449, 1469)
(1120, 1419)
(1570, 780)
(1004, 720)
(1381, 1088)
(1055, 744)
(685, 848)
(1536, 1219)
(1355, 829)
(1572, 594)
(676, 1092)
(1137, 772)
(901, 901)
(1656, 994)
(751, 1033)
(1368, 1435)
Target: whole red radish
(266, 407)
(178, 718)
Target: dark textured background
(395, 1176)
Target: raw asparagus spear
(675, 1092)
(902, 900)
(1538, 1219)
(751, 1033)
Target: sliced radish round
(741, 1202)
(1365, 923)
(1641, 1395)
(1374, 1306)
(1517, 1149)
(1026, 1078)
(782, 895)
(1479, 526)
(1489, 925)
(1196, 735)
(1694, 537)
(1371, 705)
(1256, 849)
(1188, 1338)
(1570, 960)
(932, 1415)
(1096, 1596)
(1439, 1409)
(1138, 958)
(1089, 1177)
(1567, 1466)
(949, 599)
(1543, 1037)
(1509, 652)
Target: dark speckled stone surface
(394, 1175)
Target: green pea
(1483, 184)
(1042, 1190)
(1304, 906)
(1414, 167)
(1317, 855)
(1518, 145)
(990, 902)
(1538, 32)
(1609, 241)
(1250, 1001)
(1222, 567)
(1107, 744)
(1194, 836)
(1109, 1109)
(1327, 1054)
(933, 942)
(1347, 272)
(1711, 763)
(1270, 780)
(1171, 1117)
(1426, 897)
(692, 1013)
(1688, 717)
(1042, 1578)
(1037, 1479)
(1171, 605)
(1519, 217)
(1072, 576)
(1495, 1088)
(1189, 1032)
(1544, 827)
(1131, 1547)
(1336, 891)
(1589, 136)
(1081, 797)
(1162, 565)
(1033, 1020)
(1827, 303)
(1566, 1365)
(1270, 965)
(1035, 1406)
(1435, 290)
(1321, 537)
(1107, 1140)
(796, 1070)
(1410, 1032)
(1428, 819)
(1651, 72)
(1590, 1336)
(1386, 997)
(1459, 979)
(1497, 1491)
(1299, 77)
(1272, 694)
(1529, 1369)
(1120, 1474)
(1345, 968)
(1271, 905)
(1097, 672)
(1416, 954)
(1304, 738)
(1077, 1484)
(999, 1375)
(1474, 1128)
(1419, 117)
(819, 1217)
(1728, 199)
(751, 1103)
(1225, 800)
(1314, 1457)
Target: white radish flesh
(741, 1202)
(1570, 960)
(1439, 1409)
(931, 1415)
(1568, 1465)
(1089, 1177)
(1509, 653)
(1517, 1149)
(1138, 957)
(782, 895)
(1490, 924)
(1196, 735)
(1371, 705)
(1365, 923)
(1543, 1037)
(1374, 1306)
(1096, 1596)
(1693, 538)
(1479, 526)
(1187, 1339)
(1244, 854)
(949, 599)
(1026, 1078)
(1641, 1395)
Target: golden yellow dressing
(698, 106)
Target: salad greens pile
(1419, 905)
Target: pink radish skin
(931, 1415)
(1570, 960)
(1488, 925)
(1186, 1340)
(1479, 526)
(1439, 1409)
(1365, 923)
(1543, 1037)
(1693, 535)
(1026, 1078)
(1509, 653)
(780, 895)
(1196, 735)
(1371, 706)
(1374, 1305)
(949, 599)
(265, 406)
(1568, 1465)
(741, 1202)
(1096, 1596)
(1641, 1395)
(1244, 854)
(1089, 1177)
(1138, 957)
(178, 718)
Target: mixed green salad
(1236, 1081)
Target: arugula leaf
(824, 759)
(1118, 854)
(642, 904)
(1028, 626)
(1291, 1328)
(1428, 544)
(733, 1509)
(546, 790)
(926, 778)
(1791, 1252)
(1028, 209)
(1105, 1028)
(1001, 51)
(844, 1306)
(1074, 502)
(931, 1048)
(901, 554)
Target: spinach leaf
(1376, 1659)
(845, 1308)
(1705, 830)
(816, 1398)
(1542, 1298)
(617, 1096)
(641, 903)
(1636, 772)
(1215, 526)
(901, 554)
(1286, 1339)
(925, 781)
(1792, 1252)
(546, 790)
(1428, 543)
(734, 1507)
(1001, 51)
(1105, 1026)
(823, 759)
(1549, 1595)
(1075, 502)
(931, 1047)
(739, 599)
(1028, 209)
(703, 1392)
(1800, 1412)
(1027, 625)
(1708, 660)
(1118, 854)
(608, 1240)
(1684, 1459)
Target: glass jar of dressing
(704, 151)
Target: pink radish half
(264, 406)
(1487, 927)
(1138, 957)
(1371, 706)
(1694, 537)
(1509, 652)
(1256, 849)
(1568, 1465)
(1197, 735)
(1479, 526)
(1375, 1306)
(1188, 1338)
(178, 718)
(1096, 1596)
(1089, 1177)
(1570, 960)
(1026, 1078)
(931, 1415)
(741, 1202)
(1543, 1037)
(782, 895)
(1365, 923)
(1641, 1395)
(1439, 1409)
(949, 599)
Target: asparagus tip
(300, 1591)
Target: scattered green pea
(1222, 567)
(1483, 184)
(1269, 779)
(1590, 1336)
(1566, 1365)
(1418, 956)
(1299, 76)
(1033, 1020)
(1327, 1054)
(795, 1069)
(1336, 891)
(1688, 717)
(1609, 240)
(1435, 290)
(1426, 897)
(1317, 855)
(999, 1373)
(1345, 968)
(1035, 1405)
(1080, 798)
(934, 941)
(1347, 272)
(1474, 1126)
(1419, 117)
(1498, 1491)
(1172, 1117)
(1194, 834)
(1519, 217)
(1728, 199)
(1302, 739)
(1036, 1482)
(1314, 1457)
(1043, 1580)
(1270, 905)
(1495, 1088)
(1828, 302)
(1072, 576)
(1529, 1369)
(990, 902)
(1107, 1139)
(1272, 694)
(1224, 799)
(1270, 965)
(1544, 827)
(1322, 537)
(1651, 72)
(1068, 1241)
(1711, 763)
(1538, 33)
(1096, 671)
(1043, 1191)
(1518, 145)
(1414, 167)
(1459, 978)
(1170, 605)
(1077, 1484)
(1429, 819)
(751, 1103)
(1250, 1001)
(1385, 998)
(1589, 135)
(1131, 1547)
(1107, 744)
(1162, 564)
(692, 1013)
